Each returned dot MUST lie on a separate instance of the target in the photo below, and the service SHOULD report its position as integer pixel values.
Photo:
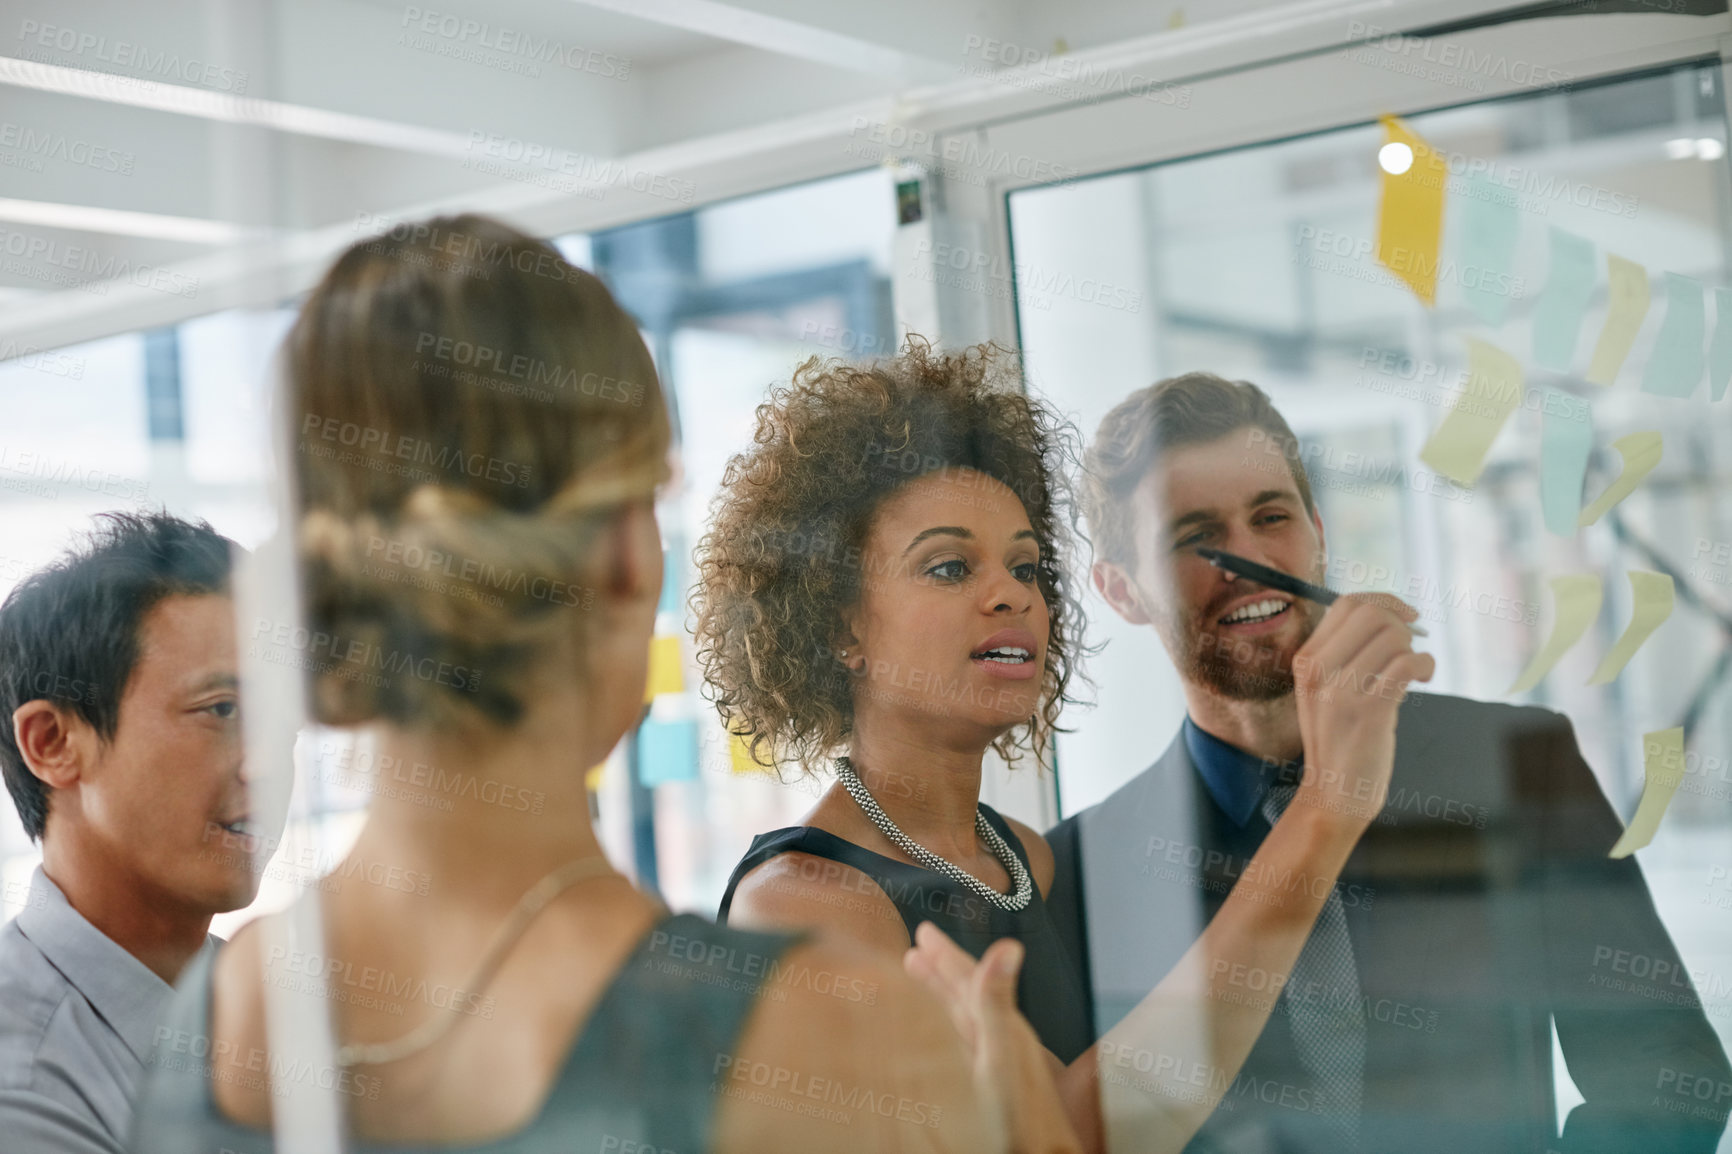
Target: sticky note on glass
(1626, 305)
(665, 672)
(1576, 599)
(667, 751)
(740, 756)
(1489, 228)
(1720, 352)
(1564, 301)
(1651, 595)
(1662, 773)
(1676, 363)
(1410, 213)
(673, 579)
(1458, 447)
(1641, 453)
(1566, 442)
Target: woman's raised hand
(1350, 678)
(1011, 1066)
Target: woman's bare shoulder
(238, 1027)
(798, 890)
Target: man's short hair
(1191, 409)
(69, 632)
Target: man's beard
(1237, 668)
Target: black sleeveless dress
(1050, 991)
(640, 1076)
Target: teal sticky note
(667, 751)
(1720, 352)
(1564, 301)
(673, 578)
(1489, 227)
(1566, 442)
(1675, 365)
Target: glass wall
(733, 297)
(730, 298)
(1258, 264)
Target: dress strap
(822, 843)
(764, 847)
(808, 840)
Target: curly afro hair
(780, 563)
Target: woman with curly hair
(483, 564)
(885, 510)
(884, 584)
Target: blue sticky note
(1489, 227)
(667, 751)
(1564, 301)
(1675, 365)
(1720, 352)
(1566, 442)
(673, 577)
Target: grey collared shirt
(78, 1016)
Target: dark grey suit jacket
(1482, 909)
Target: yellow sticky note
(1652, 597)
(740, 755)
(1458, 447)
(592, 779)
(1410, 213)
(1577, 602)
(665, 672)
(1641, 453)
(1626, 305)
(1662, 773)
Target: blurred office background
(1124, 192)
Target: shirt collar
(1236, 780)
(118, 986)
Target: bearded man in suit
(1478, 914)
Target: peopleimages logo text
(517, 42)
(1457, 57)
(124, 54)
(358, 653)
(46, 145)
(87, 263)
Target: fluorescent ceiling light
(1703, 148)
(153, 226)
(222, 106)
(779, 35)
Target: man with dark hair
(1479, 913)
(121, 746)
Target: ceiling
(161, 160)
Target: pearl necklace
(1022, 886)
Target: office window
(730, 298)
(1257, 264)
